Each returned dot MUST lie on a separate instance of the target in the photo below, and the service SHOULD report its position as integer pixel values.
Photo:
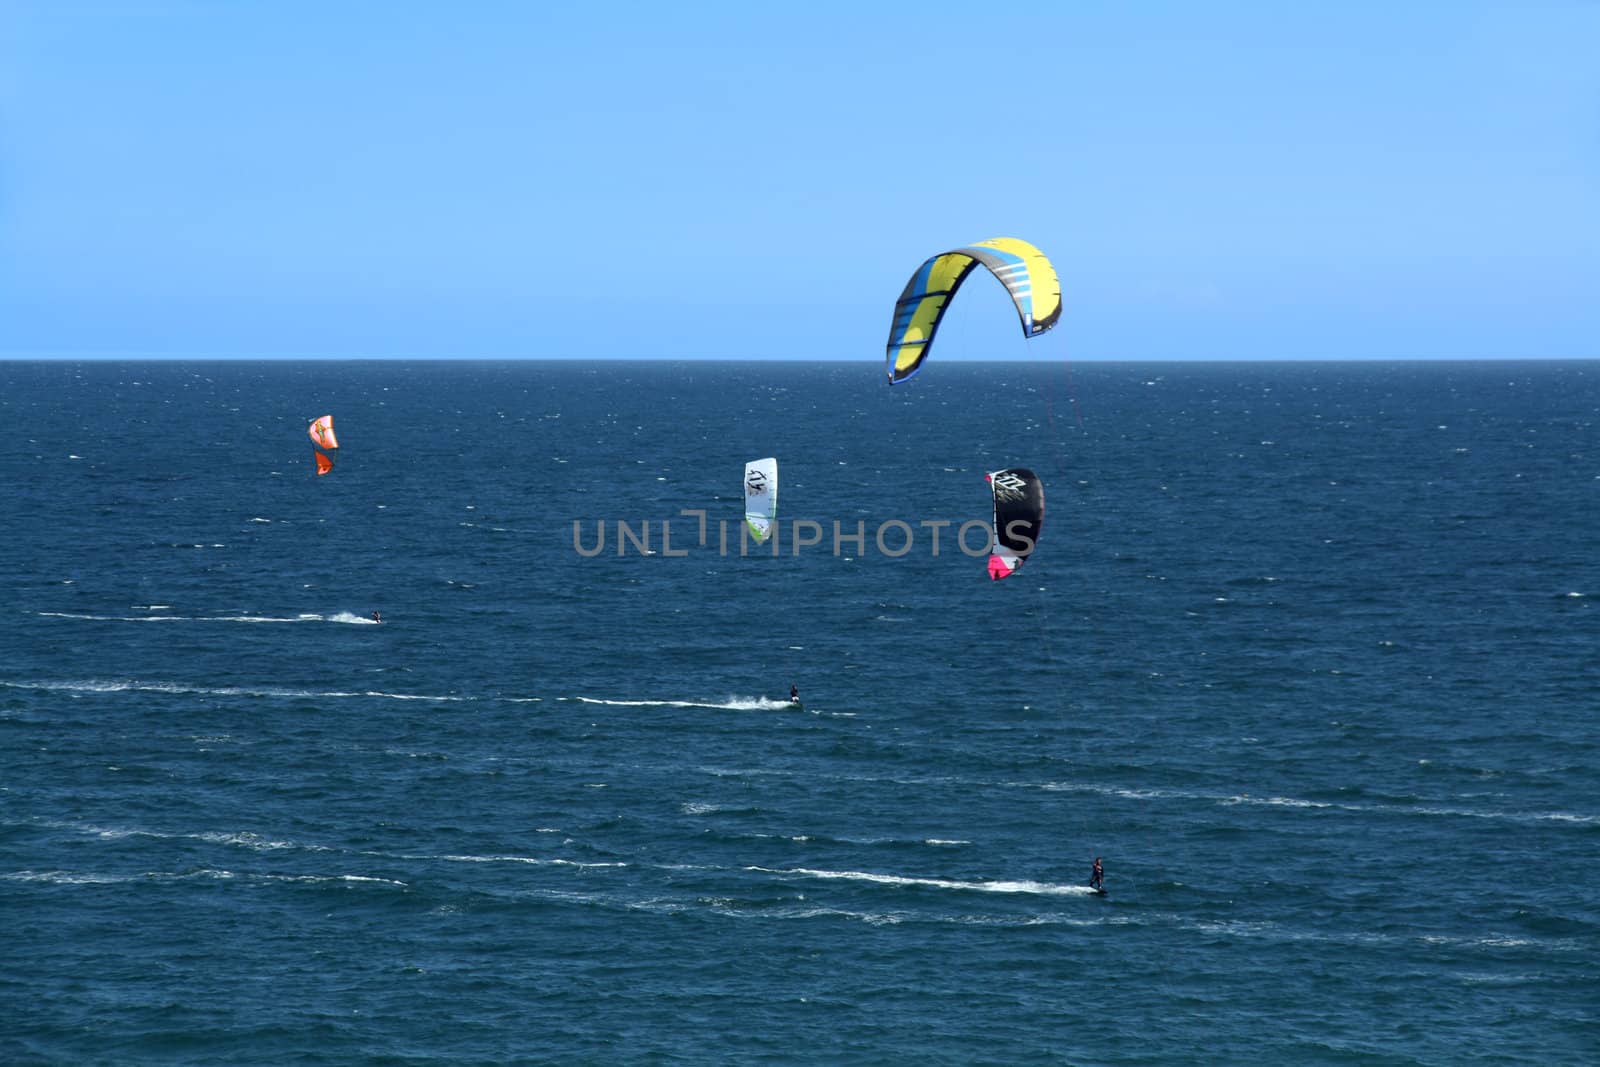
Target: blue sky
(1213, 180)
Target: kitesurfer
(376, 617)
(1097, 877)
(794, 693)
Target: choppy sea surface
(1309, 653)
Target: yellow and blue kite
(1021, 268)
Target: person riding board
(1097, 878)
(376, 617)
(794, 693)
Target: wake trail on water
(732, 703)
(346, 618)
(60, 877)
(135, 686)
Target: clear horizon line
(136, 356)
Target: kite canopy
(1021, 268)
(322, 433)
(760, 496)
(1018, 518)
(322, 437)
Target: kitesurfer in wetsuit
(376, 617)
(1097, 878)
(794, 693)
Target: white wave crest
(238, 838)
(533, 861)
(62, 877)
(1003, 886)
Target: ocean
(1306, 652)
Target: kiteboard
(1097, 892)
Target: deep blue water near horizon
(1307, 653)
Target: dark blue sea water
(1307, 653)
